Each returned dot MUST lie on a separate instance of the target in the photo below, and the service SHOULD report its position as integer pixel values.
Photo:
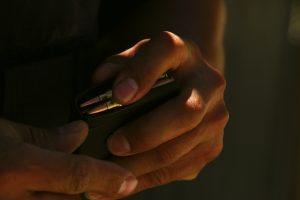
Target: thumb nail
(128, 186)
(93, 196)
(125, 90)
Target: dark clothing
(47, 53)
(44, 46)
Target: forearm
(202, 21)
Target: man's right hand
(37, 164)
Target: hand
(36, 164)
(177, 139)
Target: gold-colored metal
(104, 107)
(107, 95)
(105, 102)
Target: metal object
(104, 102)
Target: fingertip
(128, 186)
(117, 181)
(118, 144)
(72, 135)
(74, 127)
(125, 90)
(93, 196)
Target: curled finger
(191, 163)
(211, 128)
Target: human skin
(176, 140)
(201, 21)
(37, 164)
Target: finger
(160, 125)
(66, 139)
(108, 69)
(171, 151)
(53, 196)
(192, 163)
(95, 196)
(111, 66)
(172, 51)
(71, 136)
(159, 55)
(190, 177)
(48, 171)
(165, 123)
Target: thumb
(161, 54)
(71, 136)
(114, 64)
(65, 139)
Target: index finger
(159, 55)
(49, 171)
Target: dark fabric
(46, 55)
(113, 11)
(35, 24)
(33, 31)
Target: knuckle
(80, 178)
(160, 177)
(165, 157)
(194, 108)
(214, 78)
(222, 115)
(193, 170)
(195, 103)
(219, 81)
(214, 152)
(190, 177)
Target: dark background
(259, 161)
(260, 157)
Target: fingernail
(128, 186)
(73, 128)
(118, 144)
(126, 89)
(93, 196)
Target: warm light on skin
(195, 101)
